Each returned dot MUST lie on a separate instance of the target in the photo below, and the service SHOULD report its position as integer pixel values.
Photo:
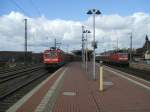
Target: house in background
(140, 52)
(144, 52)
(147, 52)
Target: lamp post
(25, 44)
(131, 48)
(83, 60)
(94, 12)
(86, 53)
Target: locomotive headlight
(56, 59)
(123, 58)
(46, 59)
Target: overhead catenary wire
(39, 13)
(24, 11)
(36, 7)
(19, 7)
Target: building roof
(146, 47)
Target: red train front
(119, 58)
(114, 57)
(53, 58)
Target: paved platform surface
(81, 94)
(71, 89)
(31, 101)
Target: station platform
(72, 89)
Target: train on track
(119, 57)
(56, 57)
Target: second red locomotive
(119, 57)
(56, 57)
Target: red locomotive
(119, 57)
(56, 57)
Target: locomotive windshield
(123, 54)
(51, 54)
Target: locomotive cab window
(51, 54)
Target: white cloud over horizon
(42, 31)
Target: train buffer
(71, 89)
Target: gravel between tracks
(11, 91)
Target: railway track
(19, 67)
(15, 85)
(136, 72)
(14, 74)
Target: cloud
(42, 31)
(113, 27)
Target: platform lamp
(86, 32)
(94, 12)
(131, 47)
(130, 50)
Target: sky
(62, 19)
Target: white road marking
(69, 93)
(19, 103)
(125, 77)
(108, 83)
(138, 78)
(44, 106)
